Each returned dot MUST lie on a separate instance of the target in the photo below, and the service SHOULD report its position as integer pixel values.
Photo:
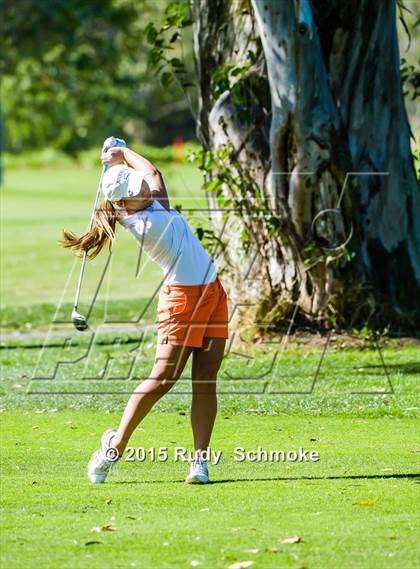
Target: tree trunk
(310, 147)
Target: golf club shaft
(92, 218)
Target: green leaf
(167, 79)
(212, 185)
(176, 62)
(175, 13)
(150, 33)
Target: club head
(79, 321)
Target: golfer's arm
(152, 175)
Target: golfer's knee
(204, 383)
(207, 375)
(163, 380)
(163, 386)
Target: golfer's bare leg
(169, 364)
(205, 366)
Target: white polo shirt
(167, 239)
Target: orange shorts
(188, 313)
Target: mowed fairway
(356, 507)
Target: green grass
(103, 373)
(34, 317)
(49, 509)
(57, 397)
(37, 275)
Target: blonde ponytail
(94, 240)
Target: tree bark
(363, 60)
(324, 143)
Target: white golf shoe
(199, 472)
(102, 459)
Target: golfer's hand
(112, 141)
(113, 156)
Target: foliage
(367, 333)
(236, 192)
(52, 157)
(164, 57)
(69, 64)
(410, 77)
(409, 19)
(74, 72)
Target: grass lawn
(354, 508)
(352, 401)
(101, 375)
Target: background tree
(315, 86)
(74, 71)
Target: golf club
(80, 321)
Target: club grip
(111, 142)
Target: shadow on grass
(407, 368)
(414, 476)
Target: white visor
(120, 182)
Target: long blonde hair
(94, 240)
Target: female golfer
(192, 309)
